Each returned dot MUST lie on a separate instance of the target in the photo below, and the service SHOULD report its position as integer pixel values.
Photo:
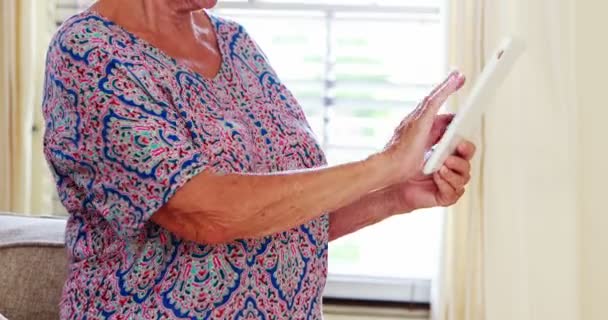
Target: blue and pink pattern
(126, 127)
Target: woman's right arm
(213, 208)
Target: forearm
(369, 210)
(215, 208)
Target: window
(357, 68)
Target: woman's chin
(189, 5)
(208, 4)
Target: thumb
(440, 124)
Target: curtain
(511, 246)
(459, 291)
(592, 68)
(26, 30)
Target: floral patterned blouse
(126, 127)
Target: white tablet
(466, 119)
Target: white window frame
(320, 6)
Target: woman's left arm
(367, 211)
(443, 188)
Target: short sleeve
(116, 149)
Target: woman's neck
(168, 17)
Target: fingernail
(444, 170)
(461, 83)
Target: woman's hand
(440, 189)
(406, 150)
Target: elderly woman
(195, 187)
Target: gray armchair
(33, 267)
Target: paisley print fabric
(126, 127)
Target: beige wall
(592, 73)
(530, 178)
(546, 165)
